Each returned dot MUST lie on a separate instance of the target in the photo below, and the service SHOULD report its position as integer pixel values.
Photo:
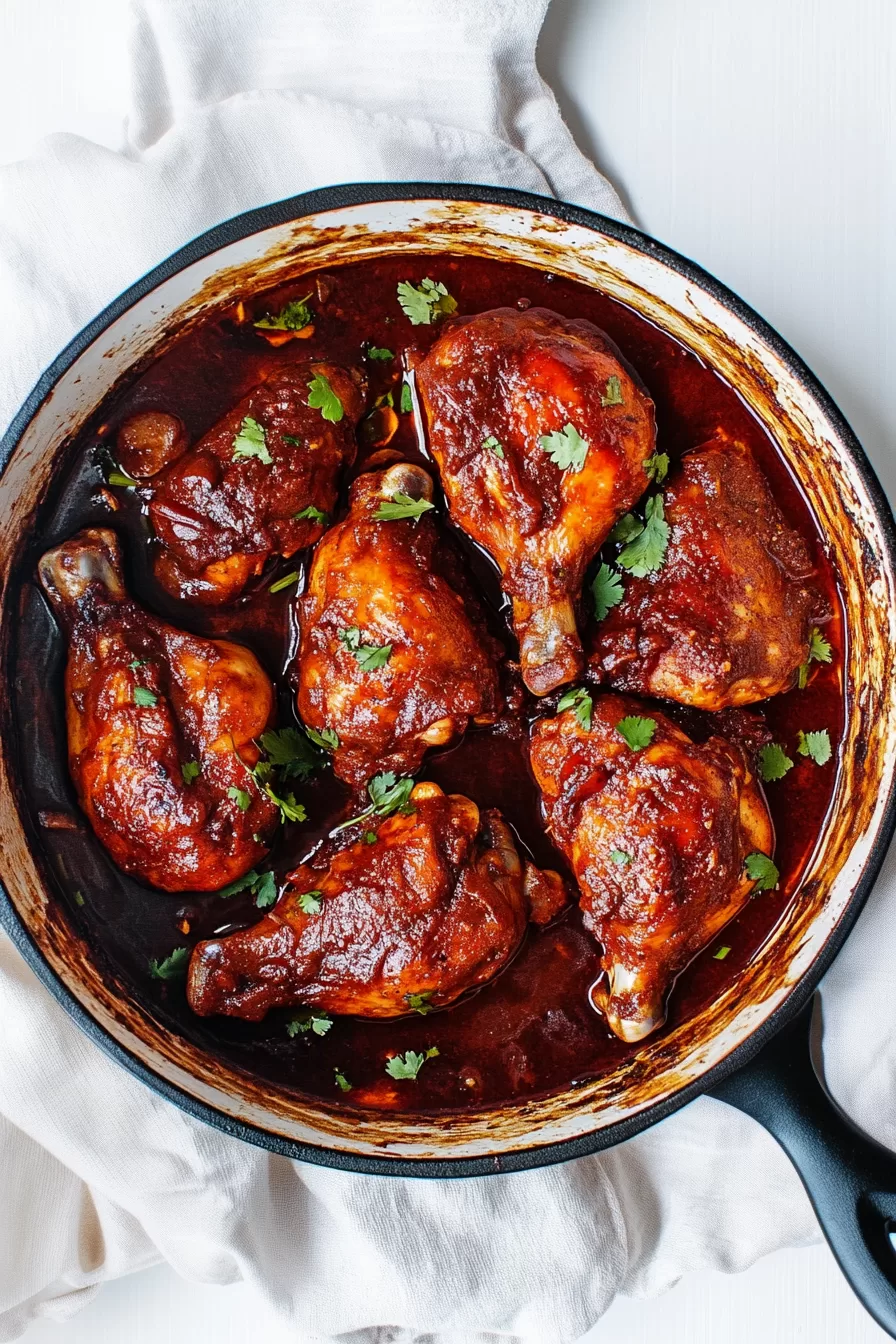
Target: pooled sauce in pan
(533, 1029)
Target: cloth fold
(238, 103)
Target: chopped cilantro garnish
(369, 657)
(646, 550)
(310, 902)
(242, 799)
(379, 352)
(118, 477)
(171, 967)
(773, 763)
(286, 582)
(290, 810)
(762, 871)
(637, 732)
(387, 795)
(420, 1002)
(606, 591)
(493, 445)
(401, 506)
(319, 1023)
(263, 886)
(325, 738)
(370, 837)
(321, 397)
(291, 438)
(409, 1064)
(628, 527)
(251, 441)
(407, 401)
(291, 752)
(565, 447)
(137, 663)
(619, 857)
(721, 954)
(190, 771)
(316, 515)
(819, 649)
(817, 746)
(423, 303)
(612, 394)
(580, 701)
(293, 316)
(342, 1082)
(657, 467)
(144, 697)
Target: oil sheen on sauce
(532, 1030)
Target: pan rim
(356, 194)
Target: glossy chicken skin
(657, 839)
(435, 907)
(379, 584)
(516, 377)
(203, 701)
(219, 516)
(726, 619)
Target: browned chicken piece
(725, 620)
(390, 658)
(435, 907)
(161, 728)
(657, 838)
(261, 483)
(540, 433)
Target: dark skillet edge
(333, 198)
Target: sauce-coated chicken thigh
(540, 433)
(726, 619)
(390, 659)
(434, 907)
(156, 718)
(657, 837)
(259, 484)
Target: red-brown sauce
(532, 1030)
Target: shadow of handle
(850, 1179)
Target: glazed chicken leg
(259, 484)
(390, 660)
(657, 837)
(725, 621)
(161, 728)
(434, 907)
(540, 433)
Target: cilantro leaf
(319, 1023)
(316, 515)
(619, 857)
(628, 527)
(420, 1002)
(342, 1082)
(409, 1064)
(265, 891)
(493, 445)
(321, 397)
(387, 794)
(819, 648)
(290, 810)
(241, 884)
(423, 303)
(637, 732)
(762, 871)
(115, 476)
(646, 551)
(242, 799)
(657, 467)
(293, 316)
(612, 395)
(565, 447)
(606, 591)
(817, 746)
(773, 763)
(407, 401)
(721, 954)
(291, 438)
(369, 657)
(580, 701)
(370, 837)
(137, 663)
(286, 582)
(291, 752)
(251, 441)
(190, 770)
(325, 738)
(401, 506)
(171, 967)
(378, 352)
(144, 697)
(310, 902)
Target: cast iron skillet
(769, 1074)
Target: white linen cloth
(237, 103)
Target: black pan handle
(850, 1179)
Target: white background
(757, 137)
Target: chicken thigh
(541, 434)
(261, 483)
(435, 906)
(725, 621)
(390, 659)
(657, 835)
(161, 728)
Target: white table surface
(758, 138)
